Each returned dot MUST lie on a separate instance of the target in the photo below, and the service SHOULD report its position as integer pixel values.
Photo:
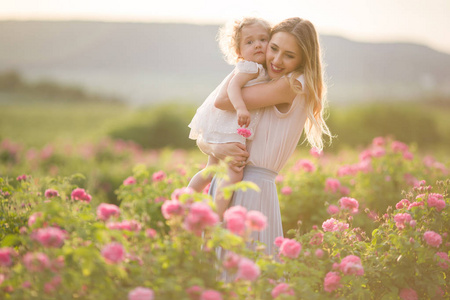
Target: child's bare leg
(219, 198)
(200, 180)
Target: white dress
(214, 125)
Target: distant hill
(154, 62)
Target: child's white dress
(214, 125)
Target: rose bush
(349, 234)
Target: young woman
(293, 100)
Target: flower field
(114, 221)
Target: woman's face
(283, 55)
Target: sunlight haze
(416, 21)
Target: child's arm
(235, 95)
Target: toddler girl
(244, 45)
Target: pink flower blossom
(211, 295)
(247, 270)
(332, 282)
(129, 181)
(436, 200)
(332, 209)
(415, 204)
(351, 265)
(404, 203)
(315, 152)
(150, 233)
(5, 256)
(282, 289)
(350, 204)
(81, 195)
(408, 155)
(332, 185)
(130, 225)
(32, 219)
(397, 146)
(278, 241)
(22, 177)
(244, 132)
(290, 248)
(235, 219)
(305, 165)
(402, 219)
(200, 216)
(36, 262)
(141, 293)
(443, 260)
(378, 152)
(408, 294)
(50, 193)
(378, 141)
(172, 208)
(256, 220)
(334, 225)
(231, 260)
(287, 190)
(319, 253)
(432, 238)
(113, 253)
(181, 191)
(50, 237)
(317, 239)
(106, 210)
(194, 292)
(158, 176)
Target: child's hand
(243, 117)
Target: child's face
(253, 44)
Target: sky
(418, 21)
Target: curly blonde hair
(229, 36)
(311, 68)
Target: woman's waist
(260, 172)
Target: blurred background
(77, 71)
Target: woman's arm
(236, 151)
(260, 95)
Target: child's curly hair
(229, 36)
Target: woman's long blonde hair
(311, 68)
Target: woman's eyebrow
(287, 51)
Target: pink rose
(290, 248)
(50, 237)
(282, 289)
(5, 256)
(319, 253)
(231, 260)
(36, 262)
(404, 203)
(141, 293)
(317, 239)
(278, 241)
(181, 191)
(172, 208)
(332, 185)
(334, 225)
(432, 238)
(200, 216)
(397, 146)
(443, 260)
(351, 264)
(256, 220)
(287, 190)
(50, 193)
(436, 200)
(106, 210)
(129, 181)
(401, 219)
(81, 195)
(408, 294)
(305, 165)
(244, 132)
(32, 219)
(22, 177)
(378, 141)
(247, 270)
(350, 204)
(113, 253)
(332, 209)
(332, 282)
(150, 233)
(158, 176)
(315, 152)
(235, 219)
(194, 292)
(211, 295)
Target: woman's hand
(236, 151)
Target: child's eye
(263, 40)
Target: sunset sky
(417, 21)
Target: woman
(294, 99)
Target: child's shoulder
(250, 67)
(300, 78)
